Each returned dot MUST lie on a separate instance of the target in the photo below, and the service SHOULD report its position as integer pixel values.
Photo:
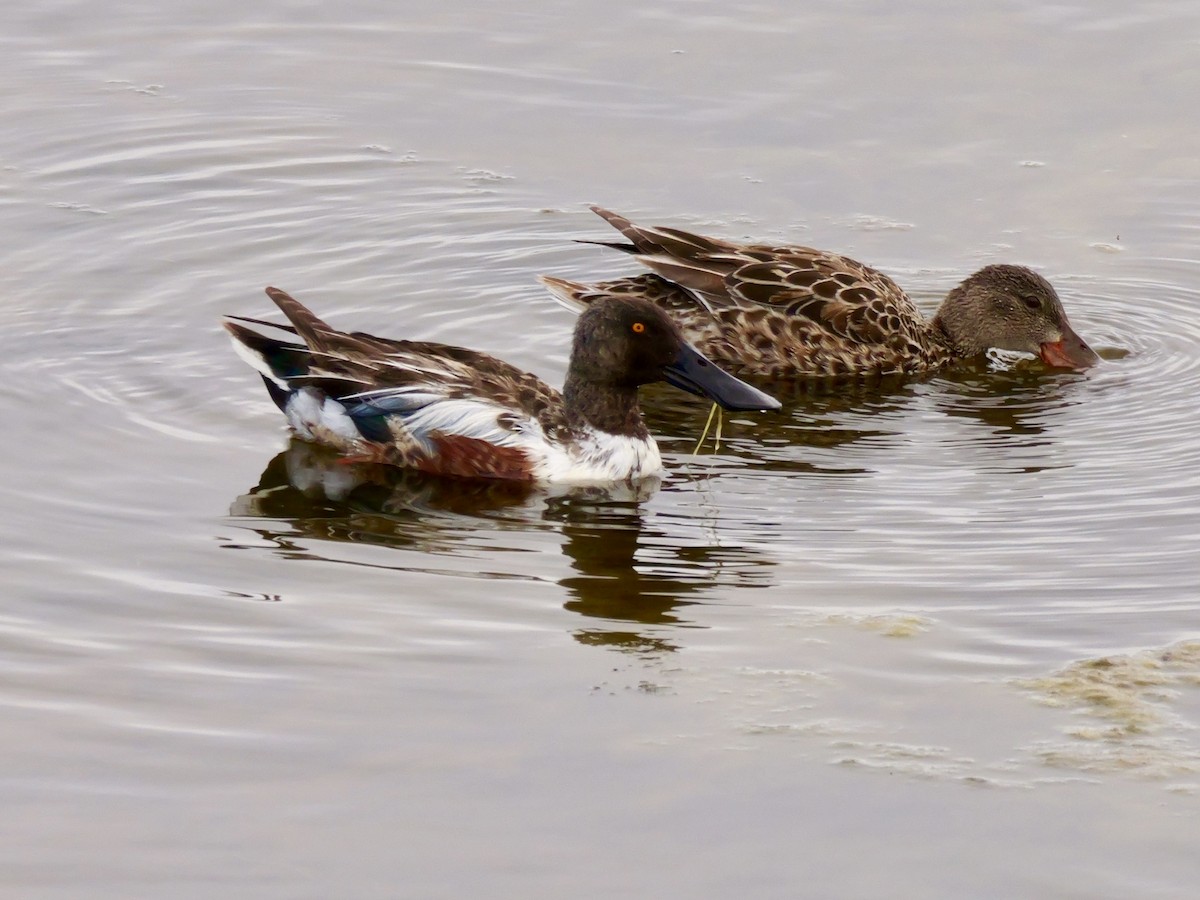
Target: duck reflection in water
(629, 572)
(1013, 418)
(623, 571)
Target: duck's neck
(612, 408)
(950, 324)
(939, 332)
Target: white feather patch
(476, 419)
(317, 417)
(598, 458)
(256, 361)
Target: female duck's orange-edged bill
(453, 411)
(797, 311)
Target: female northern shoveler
(797, 311)
(452, 411)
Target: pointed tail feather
(617, 221)
(275, 360)
(660, 244)
(677, 302)
(611, 245)
(570, 294)
(651, 240)
(263, 322)
(313, 330)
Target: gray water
(938, 640)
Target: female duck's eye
(1033, 302)
(638, 327)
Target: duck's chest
(597, 456)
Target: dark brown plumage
(453, 411)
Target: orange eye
(638, 327)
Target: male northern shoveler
(452, 411)
(785, 311)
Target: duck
(781, 311)
(453, 411)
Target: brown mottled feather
(801, 311)
(774, 310)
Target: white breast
(600, 458)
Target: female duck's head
(1012, 308)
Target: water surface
(936, 638)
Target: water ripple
(999, 486)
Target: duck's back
(773, 310)
(786, 312)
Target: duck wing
(422, 404)
(838, 295)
